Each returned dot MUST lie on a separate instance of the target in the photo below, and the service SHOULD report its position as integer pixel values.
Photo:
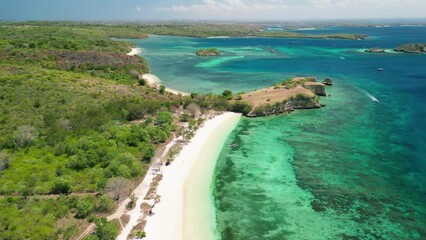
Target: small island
(414, 48)
(211, 52)
(375, 50)
(285, 97)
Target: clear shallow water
(352, 170)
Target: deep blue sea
(355, 169)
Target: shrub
(140, 234)
(184, 117)
(141, 82)
(84, 208)
(106, 230)
(91, 237)
(162, 89)
(227, 94)
(240, 107)
(104, 204)
(4, 161)
(24, 136)
(61, 186)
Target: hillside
(68, 96)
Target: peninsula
(292, 94)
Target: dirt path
(139, 193)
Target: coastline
(153, 81)
(185, 190)
(134, 51)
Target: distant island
(285, 97)
(415, 48)
(208, 52)
(233, 30)
(412, 48)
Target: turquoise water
(352, 170)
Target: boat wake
(370, 96)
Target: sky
(144, 10)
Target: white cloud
(226, 5)
(139, 9)
(295, 9)
(361, 3)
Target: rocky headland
(285, 97)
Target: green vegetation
(227, 94)
(104, 230)
(232, 30)
(208, 52)
(68, 94)
(412, 48)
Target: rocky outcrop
(300, 101)
(328, 82)
(415, 48)
(316, 87)
(375, 50)
(284, 97)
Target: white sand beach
(135, 51)
(185, 211)
(153, 81)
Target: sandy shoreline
(153, 81)
(134, 51)
(186, 210)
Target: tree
(106, 230)
(24, 136)
(116, 187)
(227, 94)
(163, 120)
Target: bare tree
(24, 136)
(117, 187)
(193, 109)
